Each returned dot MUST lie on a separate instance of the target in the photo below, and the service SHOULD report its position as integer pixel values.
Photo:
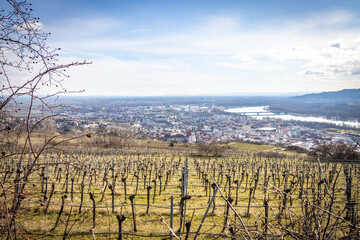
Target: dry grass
(32, 217)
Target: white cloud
(324, 21)
(254, 66)
(218, 51)
(272, 81)
(335, 62)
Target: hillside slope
(346, 95)
(344, 104)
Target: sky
(156, 48)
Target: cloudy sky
(151, 47)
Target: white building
(192, 138)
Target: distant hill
(346, 95)
(344, 104)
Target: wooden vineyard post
(206, 187)
(123, 179)
(213, 186)
(154, 181)
(137, 183)
(112, 189)
(187, 226)
(94, 208)
(228, 178)
(230, 200)
(132, 200)
(160, 176)
(120, 219)
(51, 194)
(248, 208)
(144, 180)
(47, 180)
(81, 196)
(237, 191)
(266, 204)
(59, 175)
(148, 198)
(42, 178)
(18, 186)
(232, 232)
(72, 188)
(66, 232)
(60, 212)
(67, 178)
(167, 178)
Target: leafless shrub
(340, 152)
(27, 65)
(212, 149)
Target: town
(200, 123)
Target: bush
(297, 149)
(212, 149)
(340, 152)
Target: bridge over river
(257, 113)
(253, 111)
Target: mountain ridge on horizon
(294, 95)
(342, 96)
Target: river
(264, 113)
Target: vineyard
(67, 174)
(134, 194)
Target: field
(88, 193)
